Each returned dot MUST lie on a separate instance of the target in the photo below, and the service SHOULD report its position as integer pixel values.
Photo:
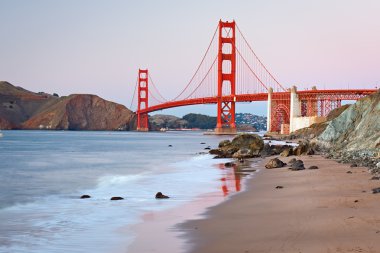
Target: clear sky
(97, 46)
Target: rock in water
(229, 164)
(275, 163)
(117, 198)
(85, 196)
(159, 195)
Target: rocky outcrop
(242, 146)
(22, 109)
(351, 133)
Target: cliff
(22, 109)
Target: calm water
(43, 173)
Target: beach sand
(324, 210)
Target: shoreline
(324, 210)
(161, 231)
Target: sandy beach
(324, 210)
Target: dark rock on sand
(117, 198)
(303, 148)
(313, 167)
(85, 196)
(353, 165)
(279, 187)
(375, 178)
(349, 172)
(229, 164)
(275, 163)
(297, 165)
(376, 190)
(159, 195)
(293, 160)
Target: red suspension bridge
(231, 72)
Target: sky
(97, 46)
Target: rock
(349, 172)
(275, 163)
(85, 196)
(287, 152)
(378, 165)
(229, 164)
(303, 148)
(251, 141)
(313, 168)
(170, 145)
(207, 148)
(297, 165)
(375, 178)
(279, 187)
(243, 153)
(356, 201)
(117, 198)
(159, 195)
(353, 165)
(241, 160)
(203, 143)
(293, 160)
(224, 143)
(376, 190)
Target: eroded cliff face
(22, 109)
(82, 112)
(356, 128)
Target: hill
(23, 109)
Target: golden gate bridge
(231, 72)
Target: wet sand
(324, 210)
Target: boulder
(293, 160)
(244, 145)
(229, 164)
(117, 198)
(243, 153)
(287, 152)
(251, 141)
(303, 148)
(275, 163)
(376, 190)
(297, 165)
(159, 195)
(85, 196)
(224, 143)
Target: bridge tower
(142, 101)
(226, 79)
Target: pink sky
(97, 47)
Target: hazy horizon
(97, 47)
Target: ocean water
(43, 174)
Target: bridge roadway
(332, 94)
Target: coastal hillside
(244, 121)
(356, 128)
(23, 109)
(351, 133)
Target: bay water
(44, 173)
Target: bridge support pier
(142, 101)
(226, 79)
